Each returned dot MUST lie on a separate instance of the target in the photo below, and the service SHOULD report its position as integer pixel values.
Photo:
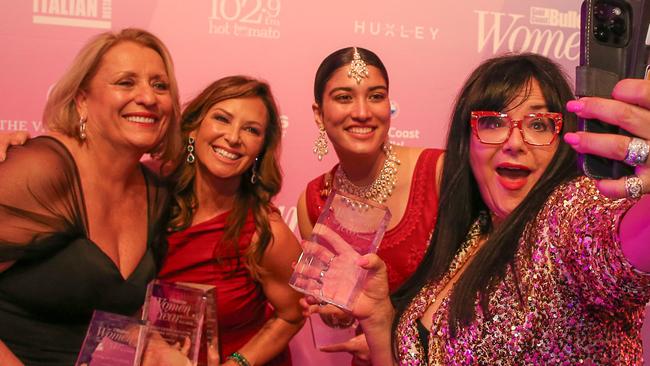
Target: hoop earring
(190, 151)
(254, 172)
(320, 145)
(82, 128)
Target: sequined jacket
(583, 303)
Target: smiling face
(127, 102)
(356, 116)
(505, 173)
(230, 137)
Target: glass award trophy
(112, 340)
(348, 228)
(184, 315)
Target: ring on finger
(321, 275)
(329, 263)
(637, 152)
(633, 186)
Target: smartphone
(613, 46)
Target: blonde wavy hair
(60, 113)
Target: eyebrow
(349, 89)
(224, 111)
(536, 107)
(129, 73)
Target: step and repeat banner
(429, 47)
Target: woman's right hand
(334, 317)
(159, 353)
(8, 139)
(373, 304)
(357, 346)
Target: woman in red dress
(352, 109)
(224, 230)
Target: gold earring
(320, 145)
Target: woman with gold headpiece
(352, 109)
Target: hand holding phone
(613, 46)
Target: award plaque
(348, 228)
(184, 315)
(112, 340)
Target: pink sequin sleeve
(585, 224)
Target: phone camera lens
(601, 33)
(617, 26)
(601, 11)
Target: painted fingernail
(575, 106)
(572, 139)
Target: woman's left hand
(630, 110)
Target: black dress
(60, 276)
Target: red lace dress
(196, 255)
(403, 246)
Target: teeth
(141, 119)
(225, 153)
(360, 130)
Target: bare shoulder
(283, 238)
(282, 250)
(408, 154)
(304, 223)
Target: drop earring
(320, 145)
(254, 172)
(190, 151)
(82, 128)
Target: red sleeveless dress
(196, 255)
(403, 246)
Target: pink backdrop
(428, 49)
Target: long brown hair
(256, 197)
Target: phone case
(612, 47)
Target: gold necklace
(412, 351)
(381, 188)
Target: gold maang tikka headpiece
(358, 68)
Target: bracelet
(239, 359)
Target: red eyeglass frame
(556, 116)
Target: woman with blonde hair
(64, 251)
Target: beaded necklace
(381, 188)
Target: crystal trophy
(112, 340)
(348, 228)
(184, 315)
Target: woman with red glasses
(529, 263)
